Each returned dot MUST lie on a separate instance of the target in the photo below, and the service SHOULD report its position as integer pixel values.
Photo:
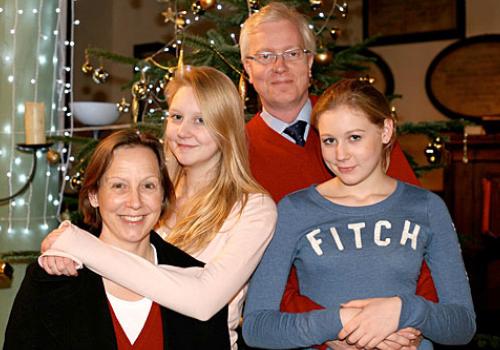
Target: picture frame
(463, 80)
(405, 21)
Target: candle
(34, 123)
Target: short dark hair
(101, 159)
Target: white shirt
(279, 126)
(132, 315)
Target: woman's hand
(55, 265)
(377, 320)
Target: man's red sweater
(282, 167)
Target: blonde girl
(221, 215)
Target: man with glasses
(277, 50)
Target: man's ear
(248, 69)
(387, 130)
(310, 60)
(94, 201)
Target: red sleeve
(425, 284)
(292, 301)
(399, 167)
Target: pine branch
(433, 128)
(20, 257)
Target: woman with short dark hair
(124, 192)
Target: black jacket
(60, 312)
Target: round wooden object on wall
(463, 81)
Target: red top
(151, 336)
(282, 167)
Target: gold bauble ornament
(6, 273)
(140, 90)
(53, 157)
(76, 181)
(87, 68)
(323, 58)
(123, 106)
(254, 5)
(315, 4)
(100, 76)
(197, 9)
(207, 4)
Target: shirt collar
(279, 126)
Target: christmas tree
(218, 47)
(206, 32)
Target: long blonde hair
(202, 216)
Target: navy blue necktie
(296, 131)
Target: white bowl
(95, 113)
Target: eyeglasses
(271, 57)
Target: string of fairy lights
(44, 22)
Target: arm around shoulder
(195, 292)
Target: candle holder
(28, 148)
(6, 273)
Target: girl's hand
(404, 339)
(55, 265)
(378, 319)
